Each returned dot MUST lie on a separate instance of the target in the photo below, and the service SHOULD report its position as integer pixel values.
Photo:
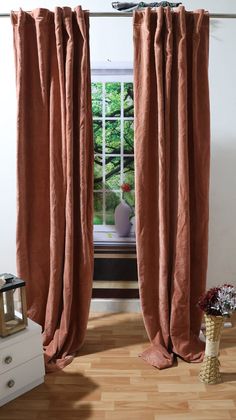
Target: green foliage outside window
(97, 99)
(113, 99)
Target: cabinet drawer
(21, 376)
(21, 352)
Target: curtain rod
(125, 14)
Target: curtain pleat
(172, 150)
(55, 174)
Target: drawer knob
(8, 360)
(11, 383)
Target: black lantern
(13, 311)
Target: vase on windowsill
(122, 219)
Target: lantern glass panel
(13, 315)
(12, 304)
(12, 308)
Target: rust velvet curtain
(172, 138)
(55, 174)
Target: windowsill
(110, 237)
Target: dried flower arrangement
(219, 301)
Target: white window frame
(105, 74)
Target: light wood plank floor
(108, 381)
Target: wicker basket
(210, 373)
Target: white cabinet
(21, 362)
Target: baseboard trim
(127, 305)
(115, 305)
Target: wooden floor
(109, 381)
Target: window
(113, 125)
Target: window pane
(128, 100)
(97, 134)
(129, 198)
(113, 99)
(98, 213)
(129, 171)
(97, 99)
(97, 172)
(129, 137)
(112, 200)
(112, 132)
(112, 173)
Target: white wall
(111, 39)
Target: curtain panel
(172, 150)
(55, 174)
